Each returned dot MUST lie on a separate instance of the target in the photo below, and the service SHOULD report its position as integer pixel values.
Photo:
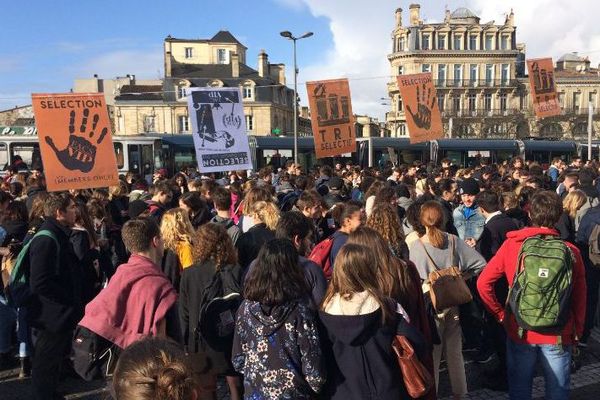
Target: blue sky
(47, 44)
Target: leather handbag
(417, 379)
(447, 286)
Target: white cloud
(361, 37)
(146, 64)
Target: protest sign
(219, 129)
(543, 87)
(75, 140)
(331, 117)
(421, 108)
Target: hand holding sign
(80, 153)
(425, 103)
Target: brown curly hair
(385, 220)
(213, 243)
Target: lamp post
(288, 35)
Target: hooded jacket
(358, 348)
(133, 304)
(278, 351)
(504, 263)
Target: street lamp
(288, 35)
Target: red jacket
(133, 303)
(505, 263)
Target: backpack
(216, 321)
(321, 255)
(594, 246)
(93, 356)
(17, 291)
(540, 297)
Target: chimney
(263, 64)
(415, 10)
(168, 60)
(398, 17)
(281, 80)
(235, 65)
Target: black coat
(566, 227)
(87, 260)
(54, 281)
(494, 234)
(361, 362)
(194, 280)
(249, 243)
(15, 230)
(448, 219)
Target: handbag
(417, 379)
(447, 286)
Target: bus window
(133, 153)
(147, 159)
(3, 156)
(119, 154)
(29, 152)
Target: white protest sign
(219, 129)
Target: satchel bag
(417, 379)
(447, 286)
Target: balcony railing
(469, 83)
(481, 113)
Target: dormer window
(181, 92)
(222, 56)
(247, 92)
(189, 52)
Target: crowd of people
(292, 285)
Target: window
(504, 42)
(118, 153)
(425, 42)
(401, 130)
(592, 98)
(400, 70)
(441, 42)
(181, 92)
(522, 101)
(149, 123)
(457, 74)
(401, 43)
(505, 74)
(400, 104)
(184, 123)
(489, 39)
(249, 123)
(441, 101)
(472, 42)
(189, 52)
(473, 74)
(222, 56)
(489, 74)
(472, 102)
(441, 74)
(487, 102)
(561, 100)
(457, 45)
(576, 102)
(456, 103)
(426, 68)
(503, 102)
(247, 92)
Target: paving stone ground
(585, 383)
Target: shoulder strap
(452, 247)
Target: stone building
(479, 73)
(18, 116)
(218, 62)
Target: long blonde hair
(176, 228)
(265, 212)
(432, 218)
(573, 202)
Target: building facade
(479, 73)
(217, 62)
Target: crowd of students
(141, 262)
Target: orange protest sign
(75, 140)
(543, 88)
(420, 107)
(331, 117)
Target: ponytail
(266, 212)
(432, 217)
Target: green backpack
(540, 297)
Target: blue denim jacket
(468, 228)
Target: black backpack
(216, 321)
(93, 356)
